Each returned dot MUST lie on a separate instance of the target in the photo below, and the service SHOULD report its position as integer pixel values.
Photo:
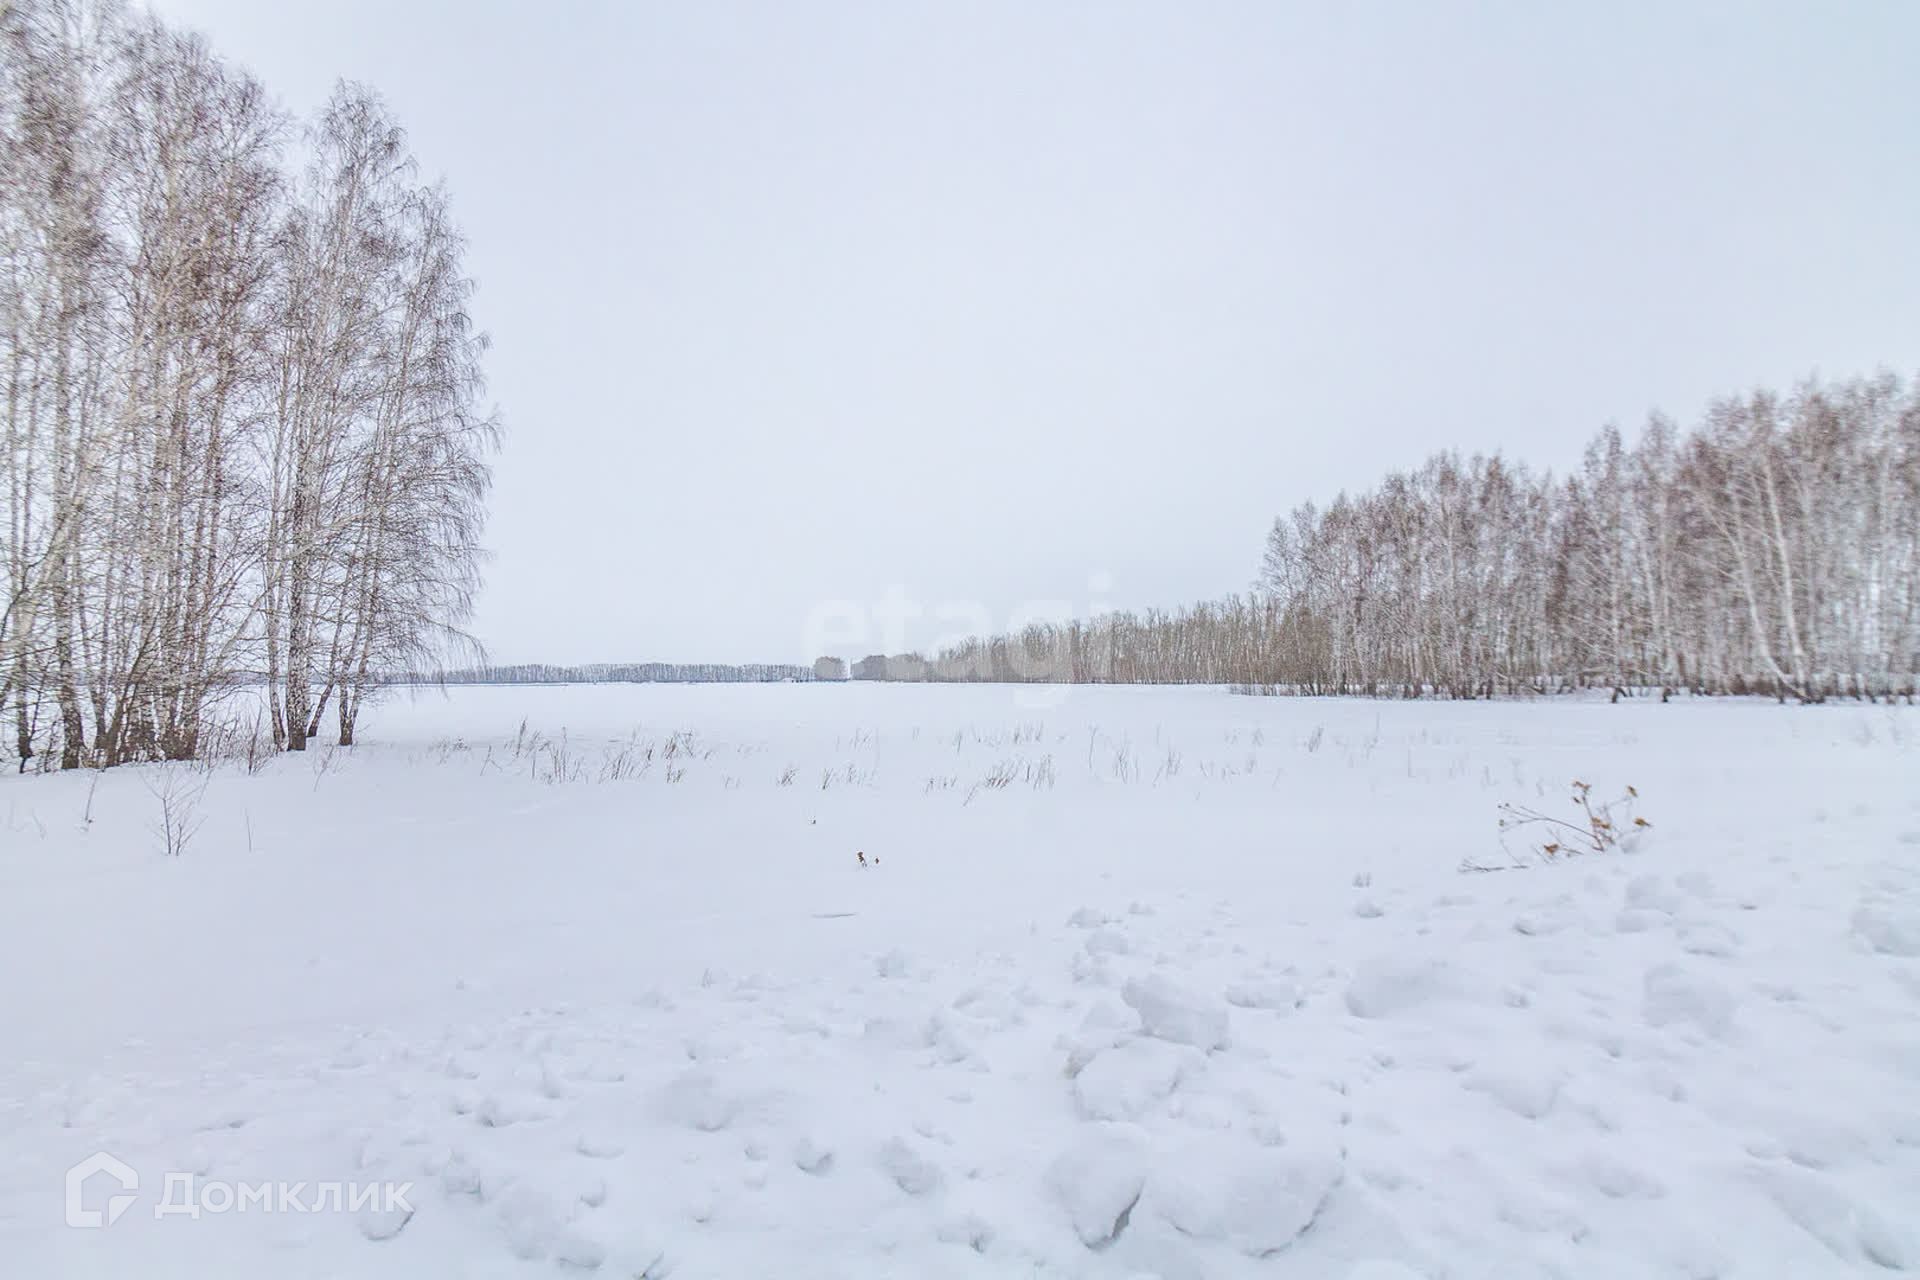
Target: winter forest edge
(245, 444)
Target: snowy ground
(1134, 983)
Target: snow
(1130, 982)
(1169, 1011)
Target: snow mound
(1098, 1180)
(1257, 1200)
(1676, 995)
(1395, 984)
(1276, 994)
(1170, 1011)
(1129, 1080)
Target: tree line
(240, 390)
(1773, 548)
(618, 673)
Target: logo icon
(99, 1162)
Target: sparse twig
(1593, 827)
(178, 792)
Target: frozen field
(1132, 982)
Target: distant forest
(1772, 548)
(616, 673)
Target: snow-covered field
(1131, 982)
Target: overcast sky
(982, 306)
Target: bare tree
(240, 411)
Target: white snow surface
(1130, 983)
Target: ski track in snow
(1207, 1024)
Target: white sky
(983, 304)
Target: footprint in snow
(1279, 995)
(1888, 932)
(495, 1112)
(811, 1156)
(894, 964)
(1852, 1229)
(970, 1230)
(385, 1222)
(912, 1172)
(1528, 1095)
(696, 1100)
